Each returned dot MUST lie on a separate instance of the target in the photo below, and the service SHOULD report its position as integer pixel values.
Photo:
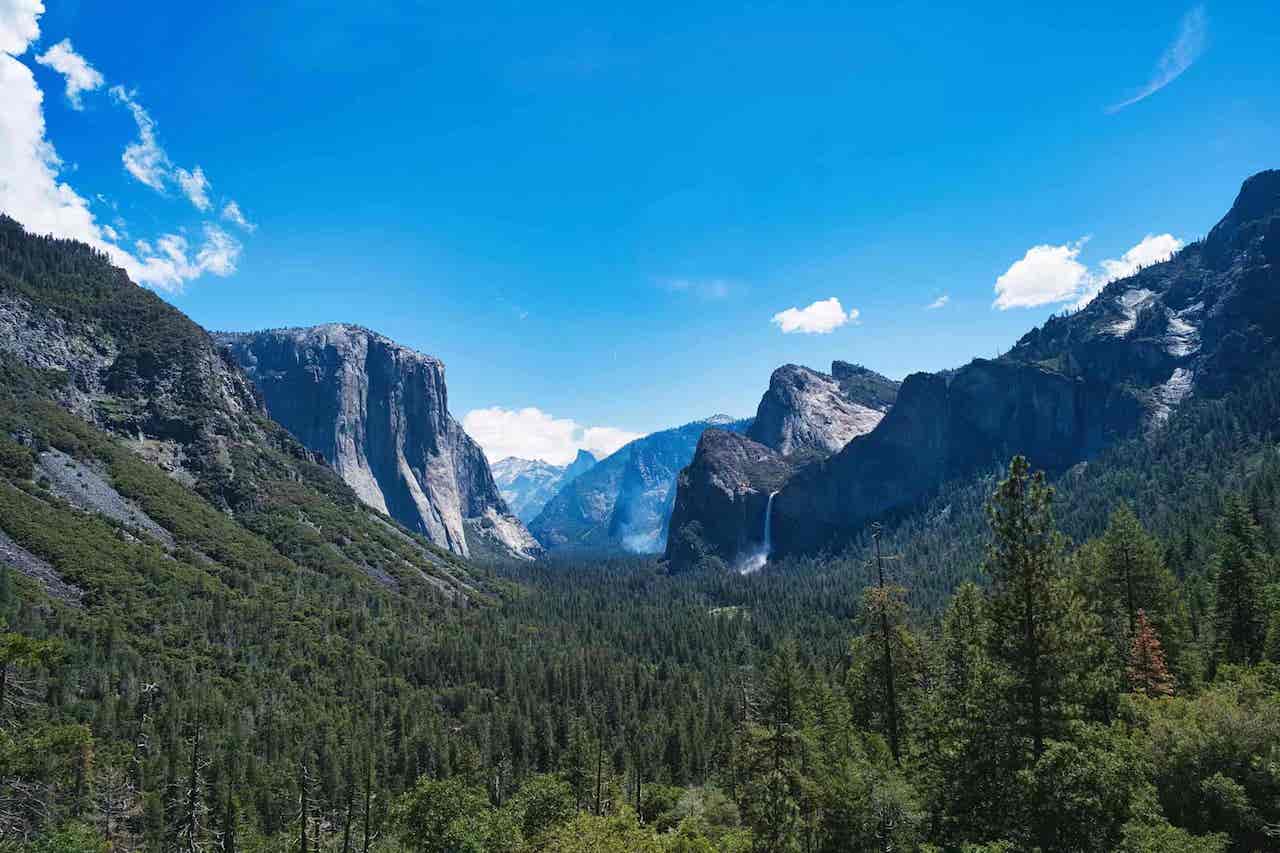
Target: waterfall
(756, 560)
(768, 526)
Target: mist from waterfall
(757, 559)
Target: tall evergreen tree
(778, 750)
(1239, 619)
(1024, 563)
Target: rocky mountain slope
(378, 412)
(624, 502)
(527, 484)
(131, 441)
(804, 416)
(1067, 390)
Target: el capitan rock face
(378, 412)
(1067, 390)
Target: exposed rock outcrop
(805, 410)
(625, 500)
(378, 412)
(1192, 325)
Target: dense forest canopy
(234, 653)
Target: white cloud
(1153, 249)
(820, 318)
(232, 213)
(219, 253)
(1045, 274)
(1177, 57)
(147, 161)
(80, 75)
(19, 25)
(531, 433)
(1048, 275)
(940, 302)
(194, 185)
(144, 159)
(31, 190)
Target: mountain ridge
(1068, 389)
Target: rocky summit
(805, 410)
(1194, 324)
(379, 413)
(722, 499)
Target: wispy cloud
(233, 214)
(940, 302)
(194, 185)
(1177, 57)
(32, 185)
(818, 318)
(79, 74)
(1050, 275)
(149, 163)
(703, 288)
(143, 158)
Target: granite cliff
(378, 413)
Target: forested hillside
(208, 642)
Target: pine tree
(1135, 577)
(1025, 565)
(778, 752)
(1239, 620)
(1147, 670)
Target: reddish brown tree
(1147, 670)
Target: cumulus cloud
(19, 25)
(32, 192)
(79, 74)
(1050, 275)
(1044, 275)
(819, 318)
(531, 433)
(940, 302)
(1177, 57)
(233, 214)
(194, 185)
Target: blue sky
(598, 212)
